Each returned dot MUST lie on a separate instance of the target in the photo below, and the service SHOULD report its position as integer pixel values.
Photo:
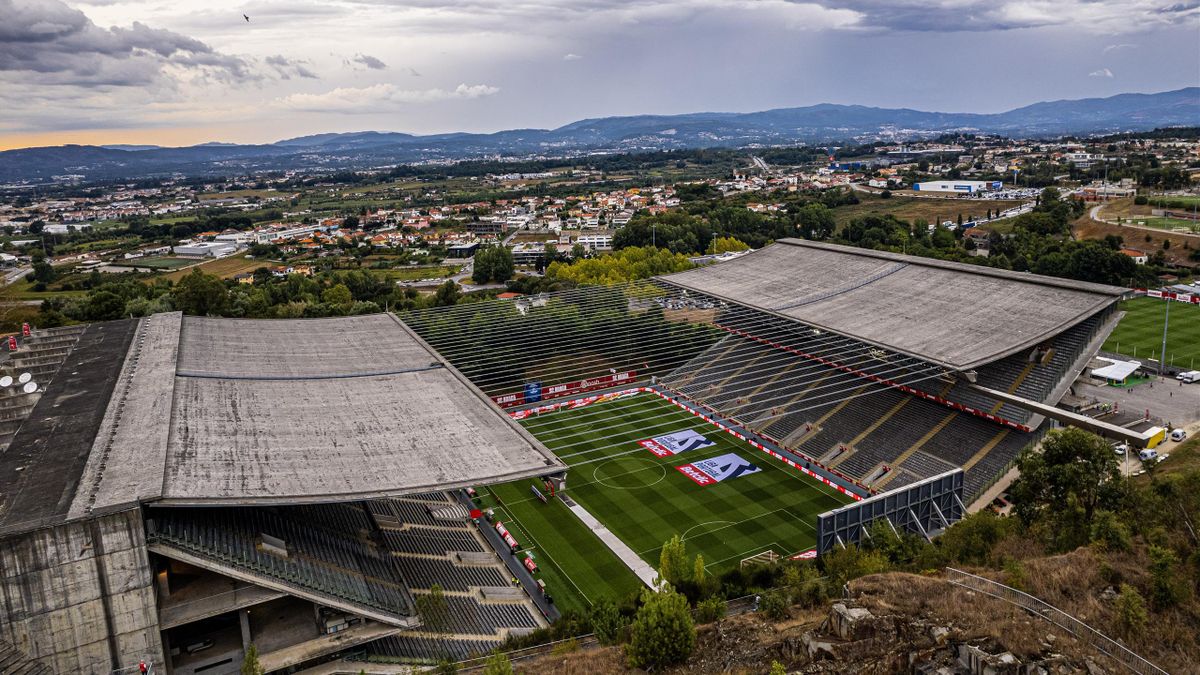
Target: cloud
(1123, 45)
(572, 57)
(53, 44)
(413, 71)
(286, 68)
(371, 99)
(1097, 16)
(369, 61)
(1103, 72)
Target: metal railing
(1082, 632)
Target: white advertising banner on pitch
(673, 444)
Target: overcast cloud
(186, 71)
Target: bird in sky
(246, 18)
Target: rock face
(851, 639)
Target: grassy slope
(645, 501)
(1142, 327)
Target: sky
(179, 72)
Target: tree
(672, 561)
(628, 264)
(498, 664)
(662, 633)
(433, 609)
(493, 263)
(200, 294)
(815, 221)
(698, 574)
(1072, 476)
(1167, 588)
(338, 295)
(250, 664)
(1131, 612)
(43, 271)
(447, 294)
(726, 245)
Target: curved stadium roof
(954, 314)
(192, 410)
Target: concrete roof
(955, 314)
(188, 410)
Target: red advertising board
(568, 388)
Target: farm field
(1139, 335)
(911, 208)
(225, 267)
(741, 503)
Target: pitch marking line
(596, 472)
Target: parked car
(1178, 434)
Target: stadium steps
(989, 467)
(335, 566)
(430, 540)
(821, 425)
(428, 650)
(921, 442)
(686, 373)
(775, 421)
(766, 364)
(960, 440)
(985, 449)
(815, 402)
(893, 437)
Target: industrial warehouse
(177, 488)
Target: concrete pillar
(244, 619)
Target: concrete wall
(79, 596)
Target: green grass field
(645, 500)
(1139, 334)
(577, 568)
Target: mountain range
(818, 124)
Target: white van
(1148, 455)
(1189, 376)
(1178, 434)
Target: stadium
(410, 488)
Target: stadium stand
(406, 648)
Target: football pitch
(1140, 333)
(742, 503)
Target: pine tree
(250, 664)
(663, 633)
(672, 562)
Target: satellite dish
(6, 381)
(24, 377)
(30, 387)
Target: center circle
(629, 473)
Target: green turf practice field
(645, 499)
(1139, 334)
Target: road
(14, 275)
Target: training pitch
(1140, 333)
(727, 499)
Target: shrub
(775, 606)
(711, 609)
(1131, 612)
(1141, 200)
(498, 664)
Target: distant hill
(823, 123)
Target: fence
(1082, 632)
